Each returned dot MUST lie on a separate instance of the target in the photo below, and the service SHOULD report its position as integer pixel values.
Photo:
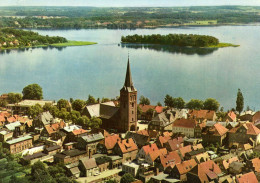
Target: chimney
(89, 154)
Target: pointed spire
(128, 77)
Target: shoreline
(67, 44)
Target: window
(132, 119)
(132, 112)
(133, 104)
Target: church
(120, 119)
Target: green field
(222, 45)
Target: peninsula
(14, 38)
(182, 40)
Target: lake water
(99, 70)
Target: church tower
(128, 103)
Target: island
(182, 40)
(16, 38)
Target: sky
(127, 3)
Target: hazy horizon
(133, 3)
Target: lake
(99, 70)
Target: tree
(14, 98)
(78, 104)
(168, 101)
(35, 110)
(105, 100)
(95, 122)
(159, 104)
(211, 104)
(127, 178)
(240, 101)
(144, 101)
(179, 103)
(83, 121)
(32, 92)
(195, 104)
(150, 113)
(62, 103)
(91, 100)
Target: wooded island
(176, 40)
(14, 38)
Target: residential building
(201, 115)
(88, 167)
(145, 150)
(107, 146)
(69, 156)
(217, 134)
(181, 169)
(247, 177)
(162, 122)
(230, 116)
(140, 139)
(153, 155)
(131, 167)
(185, 126)
(19, 144)
(127, 149)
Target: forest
(172, 39)
(125, 18)
(15, 38)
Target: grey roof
(46, 118)
(166, 177)
(115, 157)
(128, 85)
(89, 163)
(93, 137)
(12, 126)
(104, 110)
(70, 128)
(70, 153)
(72, 165)
(138, 138)
(52, 148)
(20, 139)
(210, 123)
(233, 124)
(164, 118)
(28, 103)
(34, 156)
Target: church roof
(128, 80)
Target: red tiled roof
(226, 163)
(219, 129)
(168, 134)
(164, 139)
(185, 123)
(11, 119)
(79, 131)
(2, 119)
(127, 145)
(175, 144)
(208, 169)
(52, 128)
(111, 141)
(185, 150)
(155, 154)
(256, 117)
(159, 109)
(145, 108)
(185, 166)
(250, 127)
(170, 159)
(256, 164)
(150, 148)
(202, 114)
(232, 115)
(247, 178)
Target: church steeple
(128, 77)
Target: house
(23, 106)
(152, 155)
(69, 156)
(174, 144)
(145, 115)
(127, 149)
(88, 167)
(245, 178)
(52, 150)
(194, 153)
(230, 117)
(235, 167)
(103, 162)
(19, 144)
(243, 134)
(161, 140)
(201, 115)
(182, 168)
(185, 126)
(162, 177)
(73, 135)
(106, 146)
(253, 165)
(41, 120)
(216, 134)
(168, 160)
(256, 117)
(140, 139)
(204, 172)
(13, 125)
(246, 115)
(226, 162)
(89, 142)
(145, 150)
(131, 167)
(203, 157)
(162, 122)
(51, 130)
(72, 170)
(184, 150)
(34, 157)
(5, 134)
